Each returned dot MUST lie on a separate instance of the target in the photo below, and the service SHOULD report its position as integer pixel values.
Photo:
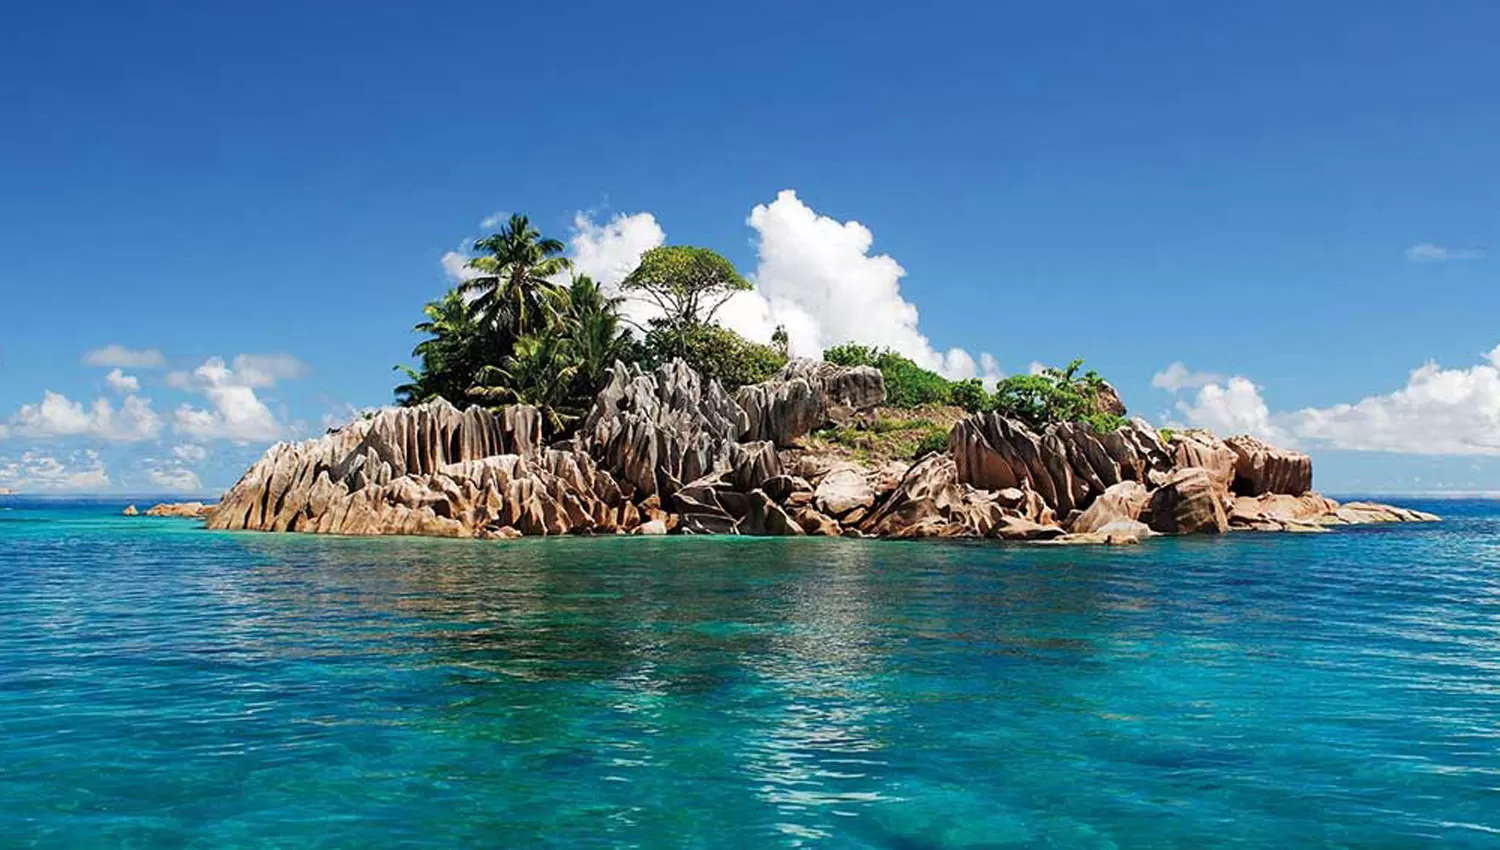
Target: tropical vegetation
(522, 327)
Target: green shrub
(715, 352)
(1055, 395)
(935, 440)
(969, 394)
(1166, 435)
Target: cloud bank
(1439, 411)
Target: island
(537, 408)
(669, 451)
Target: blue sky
(1297, 202)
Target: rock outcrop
(179, 510)
(666, 451)
(806, 395)
(1260, 468)
(130, 510)
(1068, 465)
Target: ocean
(165, 686)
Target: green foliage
(934, 441)
(450, 356)
(969, 394)
(513, 276)
(1166, 435)
(715, 352)
(1055, 395)
(688, 284)
(906, 383)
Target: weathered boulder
(804, 396)
(1189, 502)
(130, 510)
(931, 502)
(1196, 447)
(765, 517)
(1119, 502)
(843, 490)
(1021, 528)
(1262, 468)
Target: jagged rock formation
(1069, 464)
(805, 395)
(668, 452)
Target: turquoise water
(162, 686)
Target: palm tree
(590, 320)
(516, 268)
(449, 356)
(541, 371)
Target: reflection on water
(172, 686)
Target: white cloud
(121, 382)
(1427, 252)
(38, 471)
(119, 355)
(1178, 377)
(816, 277)
(1439, 411)
(1233, 407)
(236, 414)
(266, 370)
(608, 252)
(494, 219)
(176, 479)
(58, 416)
(456, 268)
(190, 453)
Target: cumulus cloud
(1177, 377)
(38, 471)
(122, 383)
(608, 252)
(455, 267)
(266, 370)
(1439, 411)
(1233, 407)
(235, 412)
(817, 278)
(129, 358)
(176, 479)
(1427, 252)
(59, 416)
(494, 219)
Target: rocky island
(668, 451)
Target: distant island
(570, 420)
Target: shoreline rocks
(666, 451)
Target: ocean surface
(164, 686)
